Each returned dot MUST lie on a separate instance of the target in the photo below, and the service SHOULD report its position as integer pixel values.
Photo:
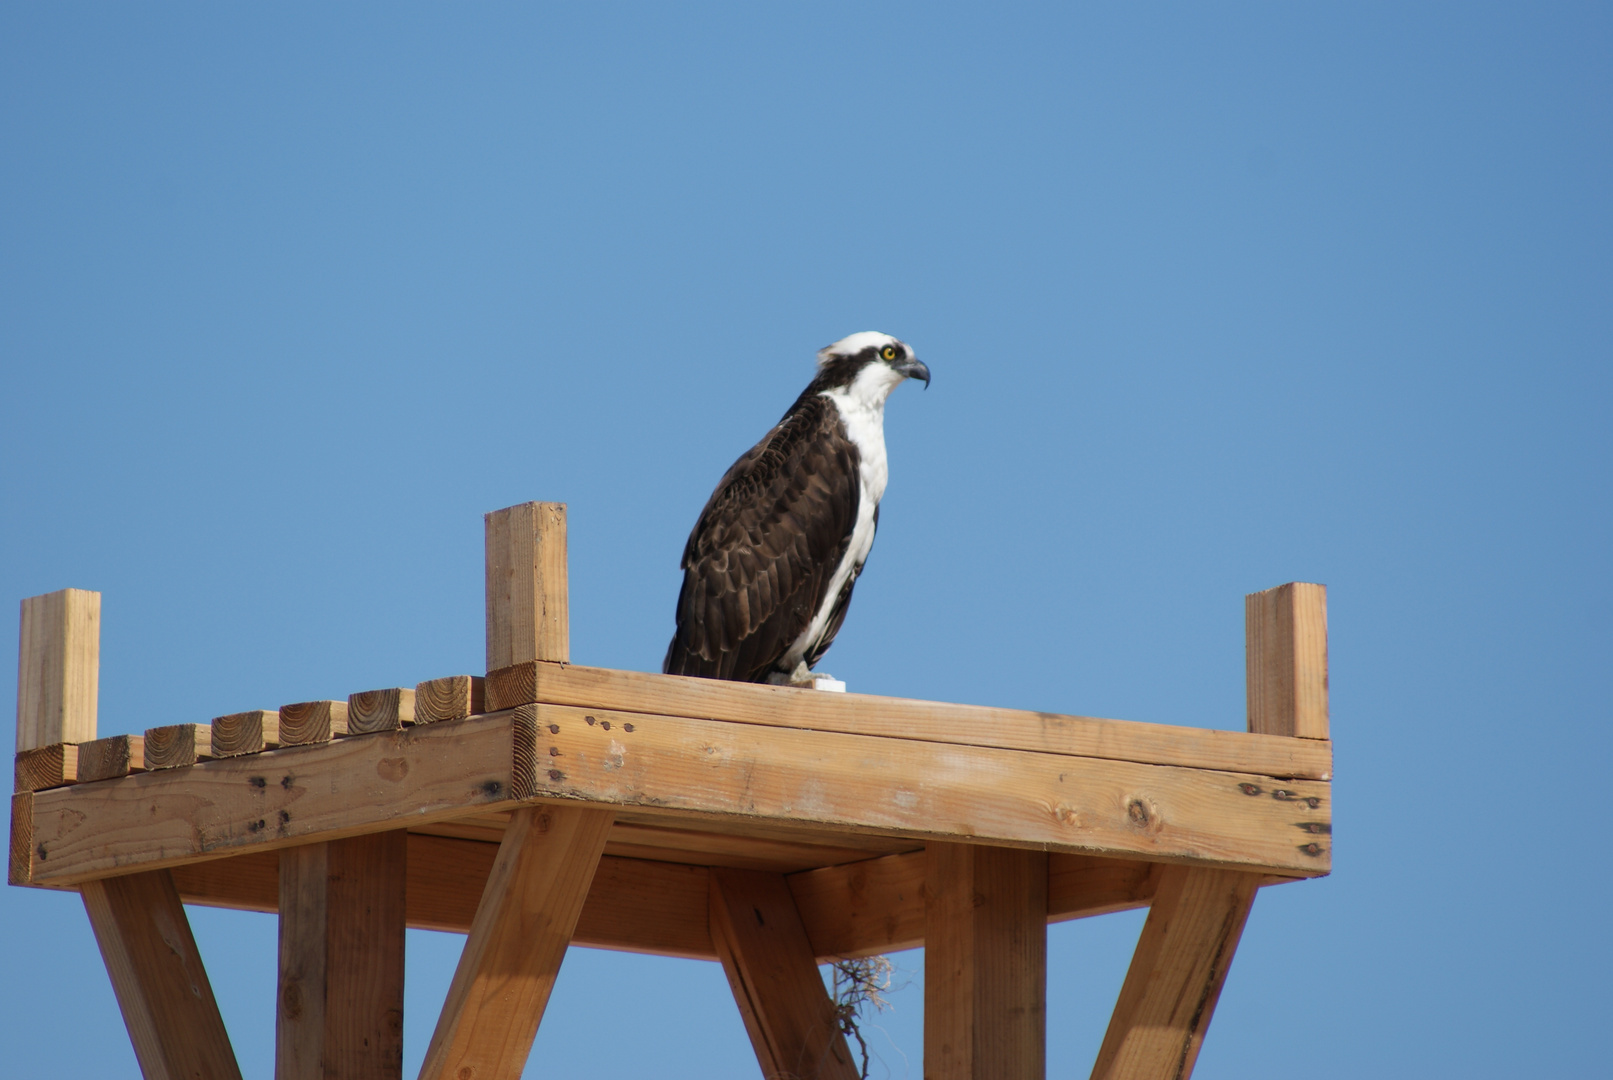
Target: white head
(868, 366)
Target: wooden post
(764, 949)
(985, 963)
(1176, 974)
(157, 975)
(1285, 635)
(339, 1005)
(527, 597)
(58, 668)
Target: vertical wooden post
(157, 974)
(1285, 636)
(1176, 974)
(339, 1009)
(985, 963)
(58, 668)
(546, 862)
(767, 956)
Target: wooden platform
(550, 804)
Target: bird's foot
(807, 679)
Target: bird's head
(868, 364)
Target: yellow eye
(888, 352)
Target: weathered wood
(452, 698)
(165, 818)
(379, 710)
(527, 593)
(516, 943)
(900, 718)
(1176, 975)
(1286, 654)
(111, 757)
(20, 869)
(985, 963)
(306, 723)
(58, 668)
(774, 976)
(174, 746)
(250, 732)
(826, 781)
(339, 1007)
(46, 767)
(158, 977)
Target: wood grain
(517, 941)
(773, 973)
(111, 757)
(46, 767)
(308, 722)
(157, 974)
(58, 668)
(174, 746)
(250, 732)
(1286, 655)
(20, 870)
(527, 594)
(451, 698)
(985, 963)
(370, 711)
(1176, 975)
(900, 718)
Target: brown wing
(759, 560)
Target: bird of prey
(769, 567)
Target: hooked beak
(915, 369)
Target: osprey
(769, 567)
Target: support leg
(768, 959)
(158, 977)
(1176, 974)
(339, 1010)
(517, 941)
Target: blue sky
(1215, 297)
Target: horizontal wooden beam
(46, 767)
(278, 798)
(451, 698)
(826, 782)
(901, 718)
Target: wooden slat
(512, 955)
(379, 710)
(111, 757)
(250, 732)
(452, 698)
(774, 976)
(174, 746)
(162, 989)
(46, 767)
(1176, 975)
(308, 722)
(826, 782)
(985, 963)
(1286, 654)
(340, 1002)
(169, 817)
(527, 595)
(900, 718)
(58, 668)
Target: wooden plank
(452, 698)
(339, 1008)
(20, 869)
(169, 817)
(379, 710)
(512, 955)
(900, 718)
(46, 767)
(306, 723)
(824, 782)
(985, 963)
(174, 746)
(774, 976)
(111, 757)
(527, 593)
(1286, 654)
(250, 732)
(1176, 975)
(58, 668)
(161, 986)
